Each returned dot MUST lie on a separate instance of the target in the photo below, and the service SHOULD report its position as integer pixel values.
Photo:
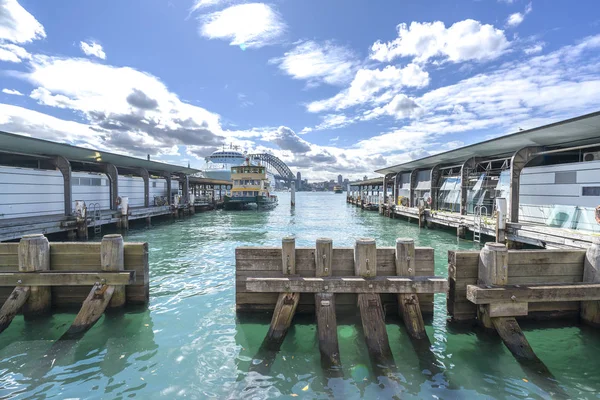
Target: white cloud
(14, 92)
(517, 18)
(401, 106)
(250, 25)
(368, 85)
(17, 25)
(93, 48)
(13, 53)
(206, 3)
(463, 41)
(318, 63)
(534, 49)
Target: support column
(112, 259)
(146, 177)
(64, 166)
(464, 183)
(169, 186)
(185, 188)
(293, 194)
(113, 177)
(412, 185)
(590, 310)
(435, 186)
(517, 163)
(34, 255)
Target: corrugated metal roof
(576, 131)
(12, 143)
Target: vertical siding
(133, 188)
(89, 193)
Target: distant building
(298, 181)
(340, 179)
(364, 178)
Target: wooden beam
(482, 294)
(379, 284)
(325, 310)
(371, 310)
(12, 305)
(408, 304)
(91, 310)
(112, 258)
(71, 278)
(34, 255)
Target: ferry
(338, 189)
(251, 188)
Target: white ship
(219, 163)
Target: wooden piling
(590, 310)
(325, 308)
(112, 259)
(12, 305)
(371, 310)
(293, 195)
(286, 302)
(34, 255)
(493, 270)
(408, 304)
(91, 310)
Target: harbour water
(191, 344)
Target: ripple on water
(190, 343)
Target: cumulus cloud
(401, 106)
(93, 48)
(467, 40)
(534, 49)
(124, 106)
(369, 83)
(515, 19)
(318, 62)
(13, 92)
(13, 53)
(206, 3)
(287, 139)
(250, 25)
(17, 25)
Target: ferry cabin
(249, 181)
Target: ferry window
(75, 181)
(565, 177)
(84, 181)
(95, 181)
(153, 184)
(590, 191)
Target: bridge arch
(283, 171)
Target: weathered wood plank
(507, 309)
(482, 294)
(327, 330)
(73, 278)
(34, 255)
(91, 310)
(408, 304)
(12, 305)
(376, 337)
(282, 319)
(378, 284)
(590, 310)
(112, 258)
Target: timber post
(286, 302)
(293, 194)
(371, 309)
(408, 304)
(325, 308)
(112, 259)
(34, 255)
(590, 310)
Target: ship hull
(250, 202)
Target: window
(590, 191)
(96, 181)
(153, 184)
(565, 177)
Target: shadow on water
(106, 349)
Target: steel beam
(412, 184)
(113, 177)
(146, 177)
(464, 183)
(64, 166)
(434, 178)
(518, 161)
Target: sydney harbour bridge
(280, 170)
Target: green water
(191, 344)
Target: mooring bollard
(293, 195)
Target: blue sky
(328, 86)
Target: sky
(330, 87)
